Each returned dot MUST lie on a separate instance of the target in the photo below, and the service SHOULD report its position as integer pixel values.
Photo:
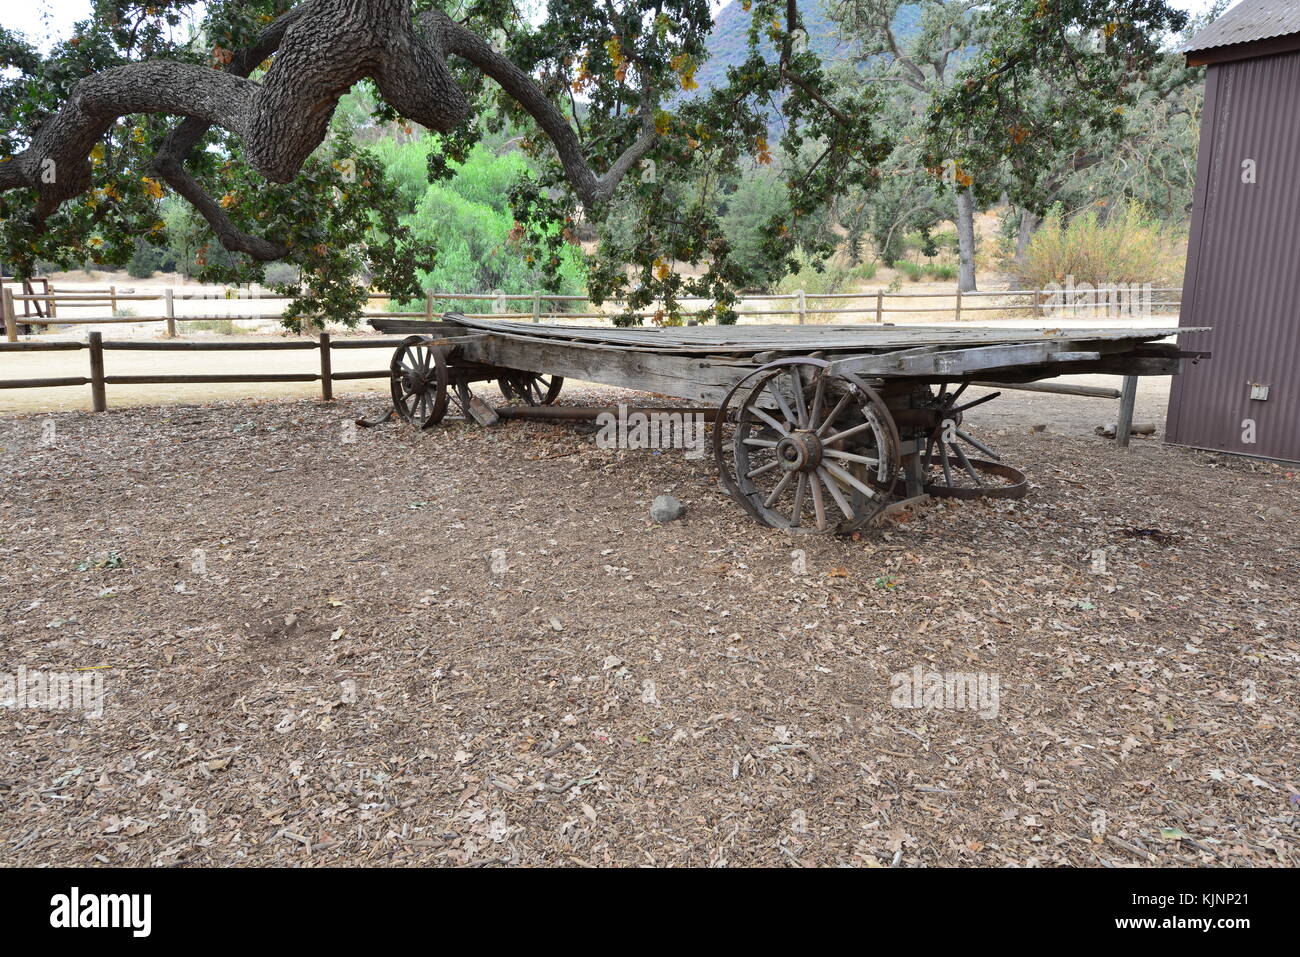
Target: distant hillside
(729, 41)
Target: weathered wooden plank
(681, 376)
(954, 362)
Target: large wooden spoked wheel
(951, 471)
(418, 380)
(531, 388)
(813, 451)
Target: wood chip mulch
(470, 646)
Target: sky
(49, 20)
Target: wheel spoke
(819, 395)
(974, 402)
(797, 512)
(761, 443)
(835, 414)
(819, 503)
(966, 464)
(850, 457)
(981, 446)
(781, 430)
(849, 479)
(761, 469)
(780, 487)
(840, 436)
(833, 487)
(790, 417)
(947, 469)
(799, 402)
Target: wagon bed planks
(751, 340)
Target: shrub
(909, 269)
(145, 259)
(834, 276)
(1129, 246)
(280, 274)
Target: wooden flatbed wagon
(815, 428)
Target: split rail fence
(1118, 302)
(99, 377)
(1124, 301)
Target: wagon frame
(815, 428)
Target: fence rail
(1123, 301)
(99, 377)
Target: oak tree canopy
(235, 117)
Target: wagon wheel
(950, 471)
(459, 396)
(418, 381)
(531, 388)
(813, 451)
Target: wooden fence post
(170, 303)
(98, 400)
(112, 299)
(957, 317)
(326, 371)
(428, 304)
(1127, 399)
(880, 305)
(803, 306)
(53, 306)
(537, 306)
(11, 324)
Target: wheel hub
(799, 452)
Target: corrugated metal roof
(1250, 20)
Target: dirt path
(322, 646)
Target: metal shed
(1243, 257)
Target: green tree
(1049, 93)
(236, 120)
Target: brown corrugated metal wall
(1243, 266)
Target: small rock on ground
(665, 508)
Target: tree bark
(1029, 223)
(966, 239)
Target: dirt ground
(323, 646)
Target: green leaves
(619, 71)
(1052, 78)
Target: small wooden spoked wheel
(952, 473)
(813, 451)
(531, 388)
(418, 381)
